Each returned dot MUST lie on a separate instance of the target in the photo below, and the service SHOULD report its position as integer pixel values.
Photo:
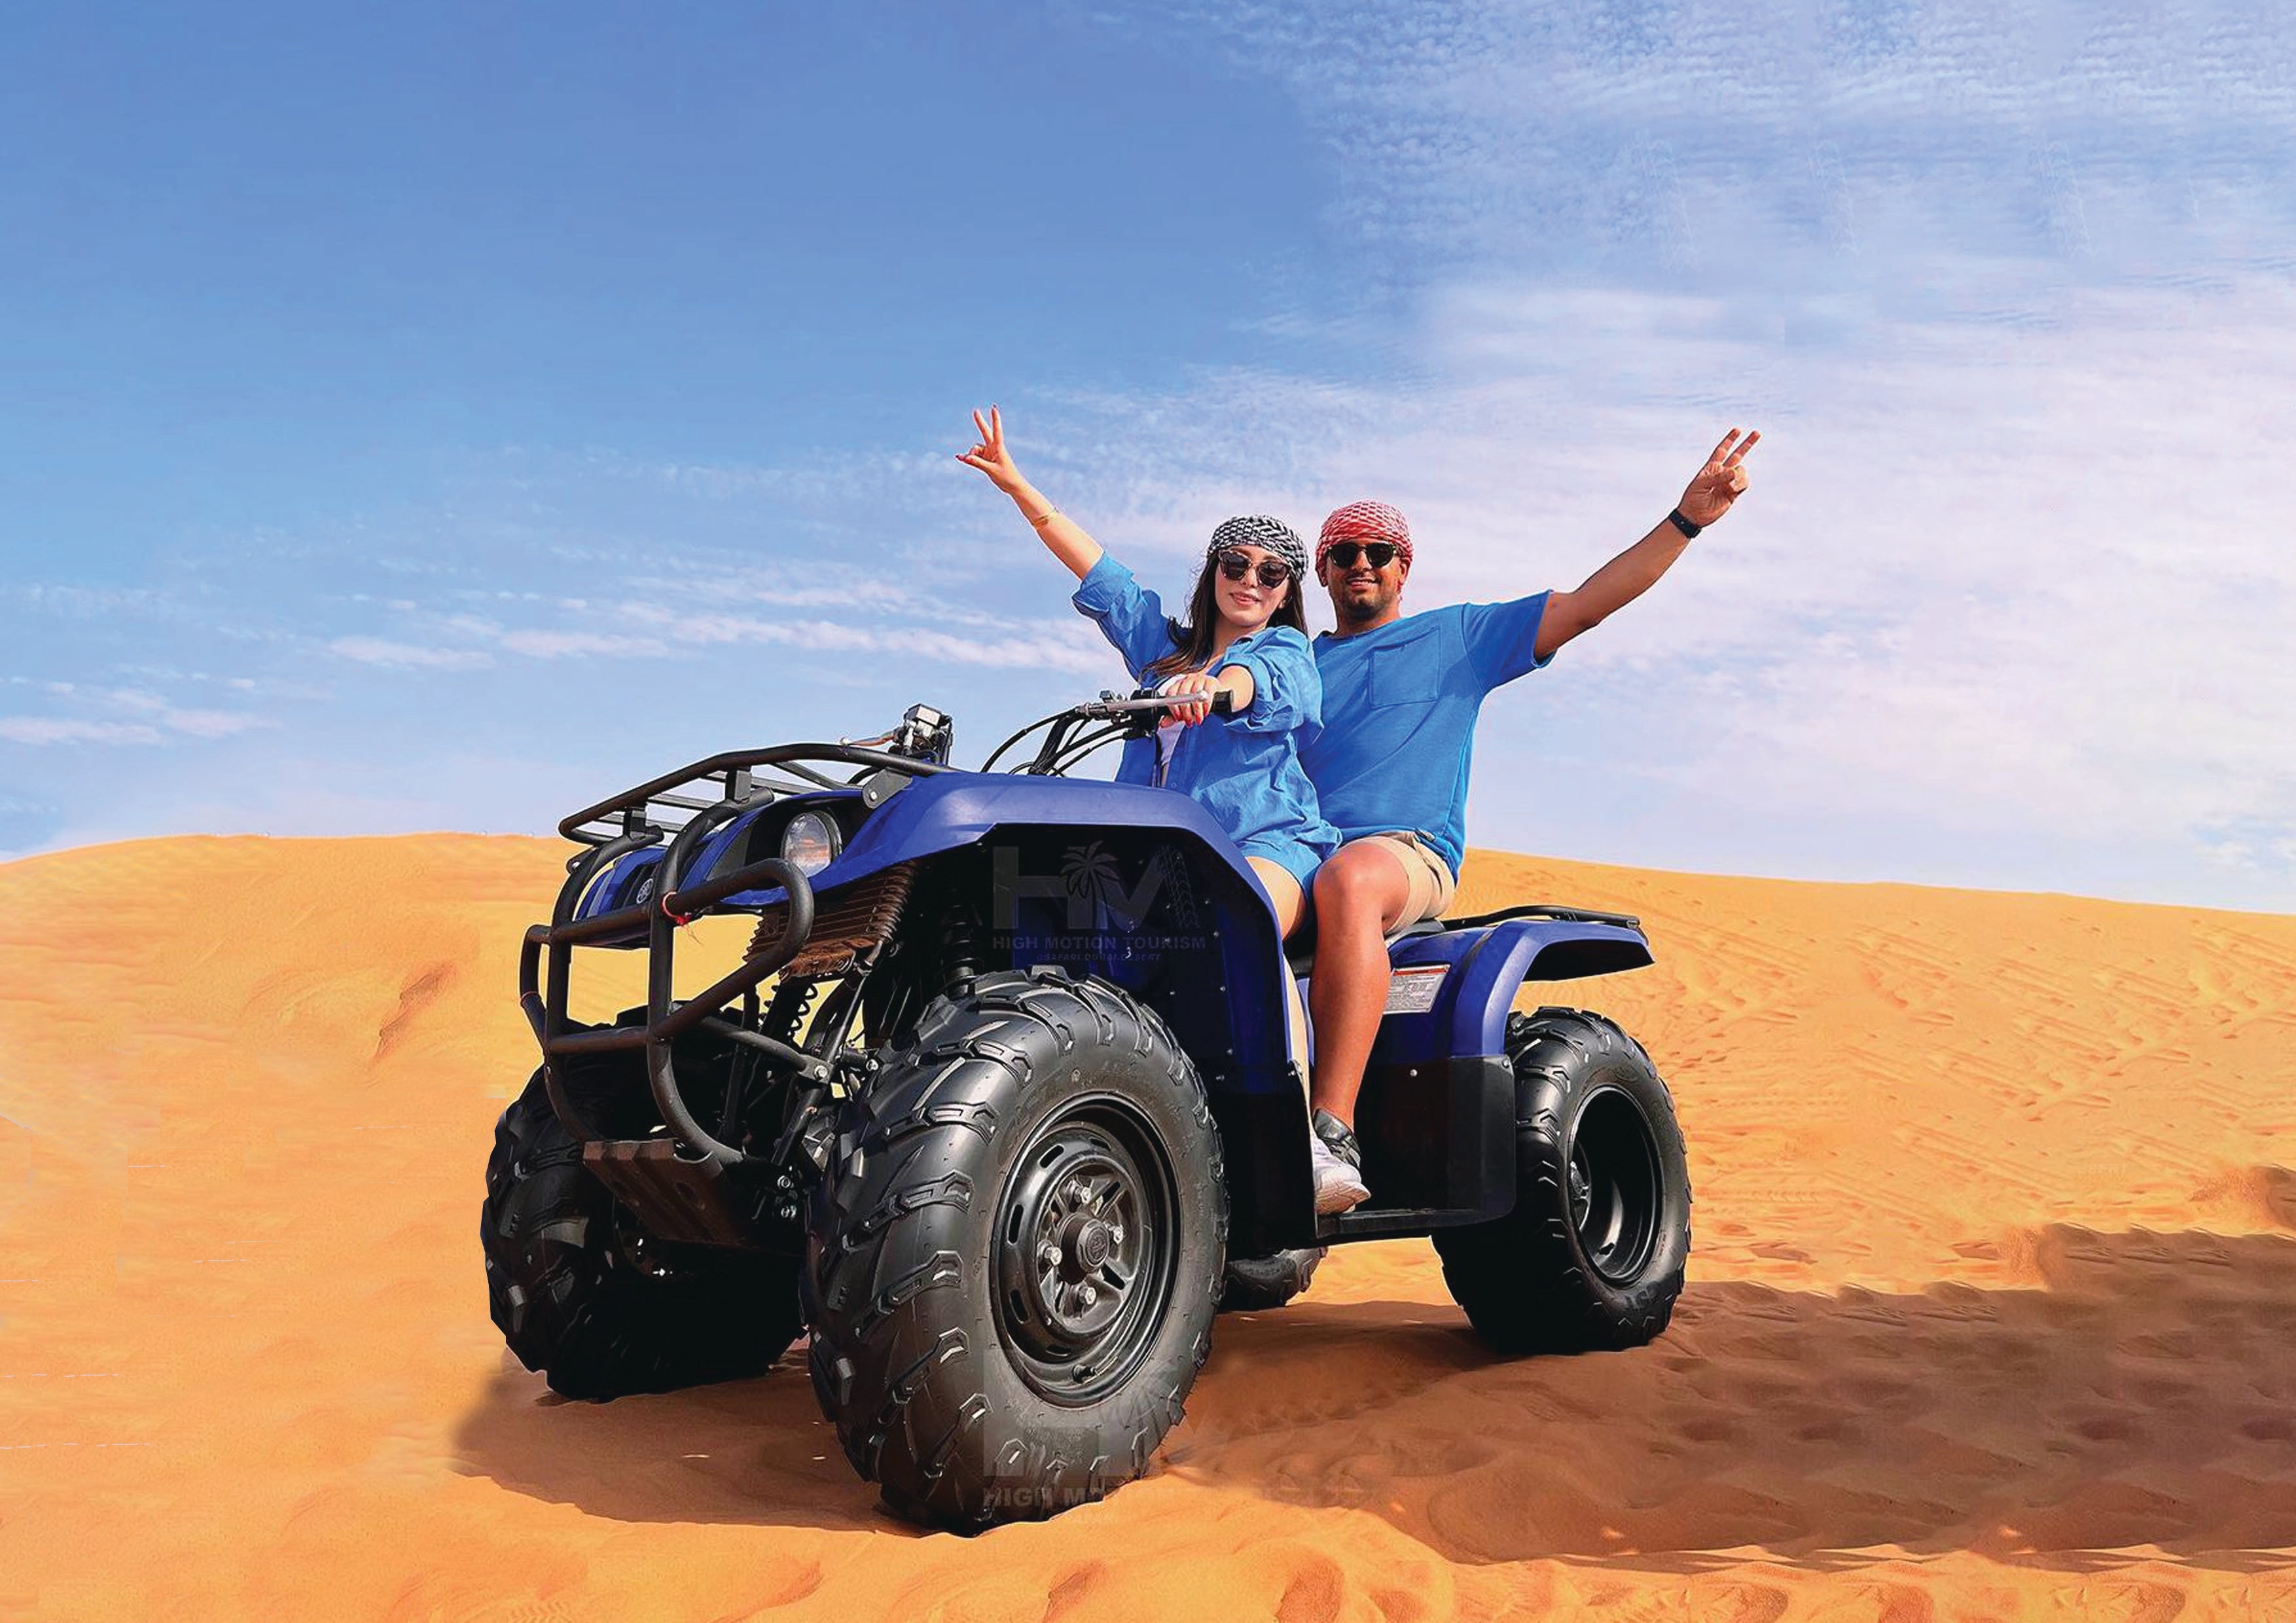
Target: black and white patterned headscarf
(1270, 534)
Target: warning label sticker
(1413, 990)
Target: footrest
(1393, 1221)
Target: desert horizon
(1993, 1273)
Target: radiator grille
(847, 922)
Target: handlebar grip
(1149, 699)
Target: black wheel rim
(1615, 1189)
(1085, 1247)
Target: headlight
(811, 844)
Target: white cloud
(72, 602)
(159, 717)
(2009, 288)
(1806, 146)
(409, 656)
(2013, 587)
(212, 723)
(1034, 647)
(66, 730)
(561, 644)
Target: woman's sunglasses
(1379, 554)
(1236, 565)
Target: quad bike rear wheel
(584, 1295)
(1591, 1256)
(1013, 1261)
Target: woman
(1246, 636)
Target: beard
(1352, 610)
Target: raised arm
(1059, 532)
(1633, 572)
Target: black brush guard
(666, 808)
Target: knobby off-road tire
(1591, 1256)
(585, 1296)
(1039, 1135)
(1260, 1284)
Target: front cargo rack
(681, 809)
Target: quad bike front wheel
(583, 1294)
(1013, 1261)
(1591, 1256)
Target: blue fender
(1478, 973)
(929, 815)
(941, 813)
(951, 809)
(618, 886)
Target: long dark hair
(1196, 638)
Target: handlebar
(1133, 716)
(1110, 708)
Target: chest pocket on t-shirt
(1405, 672)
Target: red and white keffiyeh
(1364, 522)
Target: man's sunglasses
(1379, 554)
(1236, 565)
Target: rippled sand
(1991, 1313)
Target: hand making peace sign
(989, 455)
(1721, 482)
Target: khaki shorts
(1432, 883)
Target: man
(1401, 694)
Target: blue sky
(431, 421)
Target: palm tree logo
(1090, 876)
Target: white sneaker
(1338, 1185)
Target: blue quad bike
(1018, 1113)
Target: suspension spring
(792, 1001)
(960, 944)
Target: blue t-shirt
(1242, 769)
(1397, 736)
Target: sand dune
(1992, 1308)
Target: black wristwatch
(1683, 524)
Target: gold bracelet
(1048, 518)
